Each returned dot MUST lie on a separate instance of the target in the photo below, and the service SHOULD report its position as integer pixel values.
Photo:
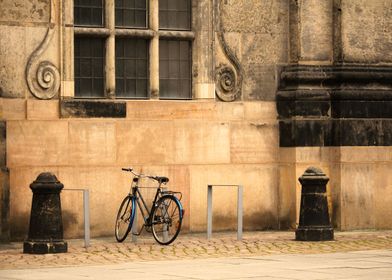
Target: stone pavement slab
(358, 265)
(106, 251)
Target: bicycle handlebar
(140, 175)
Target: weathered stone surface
(92, 143)
(366, 35)
(254, 142)
(13, 109)
(260, 196)
(17, 44)
(382, 195)
(92, 109)
(315, 30)
(142, 142)
(25, 10)
(357, 196)
(170, 110)
(201, 143)
(257, 33)
(37, 143)
(43, 109)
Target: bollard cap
(313, 171)
(313, 174)
(46, 182)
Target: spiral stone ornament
(42, 76)
(48, 81)
(227, 88)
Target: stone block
(170, 110)
(365, 31)
(201, 142)
(92, 143)
(204, 90)
(287, 205)
(37, 143)
(254, 142)
(382, 196)
(357, 196)
(13, 61)
(25, 11)
(314, 155)
(42, 109)
(145, 142)
(13, 109)
(260, 196)
(368, 154)
(230, 111)
(260, 110)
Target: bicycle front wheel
(166, 220)
(124, 219)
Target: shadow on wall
(257, 221)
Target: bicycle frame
(146, 213)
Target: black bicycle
(164, 219)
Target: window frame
(152, 33)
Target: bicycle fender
(179, 203)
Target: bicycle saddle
(162, 180)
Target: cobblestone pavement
(191, 246)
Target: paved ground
(260, 254)
(374, 265)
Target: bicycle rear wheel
(167, 220)
(125, 217)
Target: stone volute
(46, 226)
(314, 223)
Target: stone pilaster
(315, 31)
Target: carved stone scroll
(228, 75)
(43, 77)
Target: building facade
(204, 92)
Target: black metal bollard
(314, 223)
(46, 225)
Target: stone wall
(193, 143)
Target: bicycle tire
(125, 217)
(167, 219)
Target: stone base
(314, 234)
(42, 247)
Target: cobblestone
(191, 246)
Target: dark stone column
(314, 223)
(46, 225)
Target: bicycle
(164, 219)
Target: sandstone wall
(193, 143)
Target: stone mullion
(110, 75)
(154, 49)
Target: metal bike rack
(239, 209)
(86, 214)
